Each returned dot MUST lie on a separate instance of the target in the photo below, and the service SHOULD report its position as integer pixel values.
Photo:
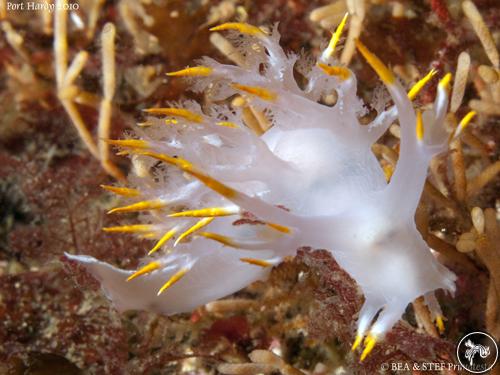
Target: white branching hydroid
(310, 180)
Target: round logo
(477, 352)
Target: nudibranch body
(225, 202)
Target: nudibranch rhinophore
(310, 179)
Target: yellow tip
(367, 340)
(465, 122)
(335, 38)
(148, 268)
(137, 228)
(176, 277)
(337, 71)
(417, 87)
(195, 71)
(213, 184)
(167, 236)
(260, 92)
(388, 171)
(200, 224)
(356, 343)
(383, 71)
(279, 228)
(123, 191)
(208, 212)
(256, 262)
(370, 344)
(228, 124)
(132, 143)
(219, 238)
(445, 81)
(419, 129)
(243, 28)
(139, 206)
(440, 324)
(176, 112)
(144, 124)
(186, 166)
(178, 162)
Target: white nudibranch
(309, 177)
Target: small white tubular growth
(75, 68)
(227, 203)
(475, 18)
(60, 42)
(105, 110)
(463, 66)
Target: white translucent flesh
(316, 162)
(206, 281)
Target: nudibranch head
(304, 172)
